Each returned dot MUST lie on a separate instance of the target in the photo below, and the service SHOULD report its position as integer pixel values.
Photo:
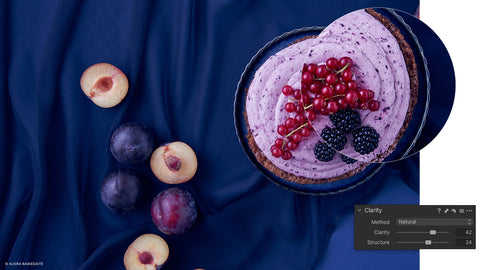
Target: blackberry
(346, 120)
(365, 139)
(323, 152)
(347, 160)
(334, 137)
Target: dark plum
(174, 211)
(132, 143)
(121, 191)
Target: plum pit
(173, 163)
(104, 84)
(145, 257)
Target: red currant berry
(297, 94)
(291, 145)
(321, 71)
(332, 63)
(304, 68)
(312, 68)
(340, 88)
(300, 118)
(353, 105)
(371, 94)
(342, 104)
(351, 97)
(296, 137)
(352, 85)
(305, 100)
(310, 115)
(363, 105)
(282, 130)
(299, 108)
(363, 94)
(315, 87)
(347, 75)
(279, 142)
(373, 105)
(327, 91)
(287, 155)
(287, 90)
(290, 123)
(276, 151)
(331, 79)
(344, 61)
(305, 132)
(307, 77)
(332, 106)
(319, 103)
(304, 87)
(324, 111)
(290, 107)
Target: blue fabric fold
(183, 60)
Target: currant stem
(297, 129)
(341, 70)
(335, 96)
(293, 99)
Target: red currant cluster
(325, 89)
(331, 87)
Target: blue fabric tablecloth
(183, 60)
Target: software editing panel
(414, 226)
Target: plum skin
(174, 211)
(132, 143)
(121, 191)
